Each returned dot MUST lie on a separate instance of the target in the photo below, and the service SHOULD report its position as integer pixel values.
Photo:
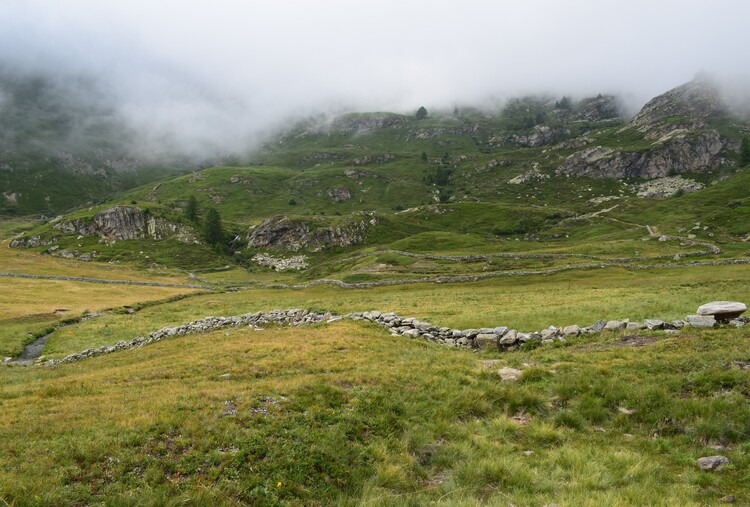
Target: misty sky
(228, 68)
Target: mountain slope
(62, 145)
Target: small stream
(31, 351)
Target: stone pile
(297, 262)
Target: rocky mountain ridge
(677, 125)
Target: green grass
(526, 303)
(311, 416)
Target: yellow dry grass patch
(22, 297)
(14, 260)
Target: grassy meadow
(344, 414)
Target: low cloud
(220, 74)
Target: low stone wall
(289, 317)
(494, 338)
(503, 338)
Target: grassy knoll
(313, 416)
(526, 303)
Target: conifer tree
(745, 151)
(213, 231)
(191, 209)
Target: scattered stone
(508, 374)
(532, 175)
(667, 187)
(737, 323)
(528, 453)
(297, 262)
(727, 499)
(700, 320)
(615, 324)
(723, 310)
(486, 341)
(598, 325)
(509, 338)
(626, 411)
(712, 462)
(572, 330)
(653, 324)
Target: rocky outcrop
(339, 194)
(533, 175)
(32, 241)
(126, 222)
(674, 124)
(684, 152)
(294, 234)
(541, 135)
(698, 99)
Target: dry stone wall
(491, 338)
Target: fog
(220, 74)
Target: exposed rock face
(533, 175)
(699, 98)
(681, 140)
(339, 194)
(677, 154)
(541, 135)
(126, 222)
(295, 233)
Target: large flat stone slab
(723, 310)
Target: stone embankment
(494, 338)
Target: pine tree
(745, 151)
(423, 157)
(191, 209)
(213, 231)
(421, 113)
